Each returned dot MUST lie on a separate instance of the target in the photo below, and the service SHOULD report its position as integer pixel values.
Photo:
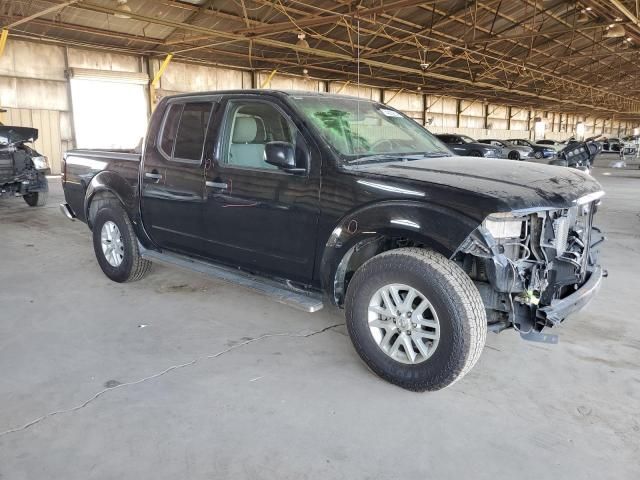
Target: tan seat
(247, 143)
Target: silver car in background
(510, 150)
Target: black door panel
(173, 189)
(258, 216)
(266, 221)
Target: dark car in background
(510, 150)
(468, 147)
(22, 169)
(539, 151)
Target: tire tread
(461, 291)
(139, 266)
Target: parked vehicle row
(627, 145)
(510, 150)
(513, 149)
(540, 151)
(314, 198)
(573, 153)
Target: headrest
(245, 130)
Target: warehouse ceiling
(575, 56)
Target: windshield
(466, 139)
(361, 128)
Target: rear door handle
(221, 185)
(155, 176)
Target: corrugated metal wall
(35, 91)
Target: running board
(278, 290)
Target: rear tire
(475, 153)
(116, 245)
(538, 155)
(36, 199)
(453, 332)
(513, 155)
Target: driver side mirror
(283, 156)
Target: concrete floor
(292, 407)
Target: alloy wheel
(112, 244)
(403, 323)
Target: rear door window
(192, 131)
(170, 128)
(184, 131)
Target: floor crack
(164, 372)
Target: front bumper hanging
(562, 308)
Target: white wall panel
(411, 104)
(497, 124)
(183, 77)
(32, 60)
(441, 104)
(467, 121)
(520, 125)
(289, 82)
(103, 60)
(370, 93)
(8, 95)
(41, 94)
(472, 109)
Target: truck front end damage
(535, 267)
(22, 169)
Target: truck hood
(12, 135)
(501, 185)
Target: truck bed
(82, 165)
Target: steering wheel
(377, 146)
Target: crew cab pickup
(314, 198)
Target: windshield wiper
(439, 153)
(373, 158)
(400, 156)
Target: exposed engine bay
(530, 266)
(22, 169)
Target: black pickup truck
(314, 198)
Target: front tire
(36, 199)
(513, 155)
(116, 246)
(430, 327)
(475, 153)
(538, 155)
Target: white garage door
(109, 108)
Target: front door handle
(155, 176)
(221, 185)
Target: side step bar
(278, 290)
